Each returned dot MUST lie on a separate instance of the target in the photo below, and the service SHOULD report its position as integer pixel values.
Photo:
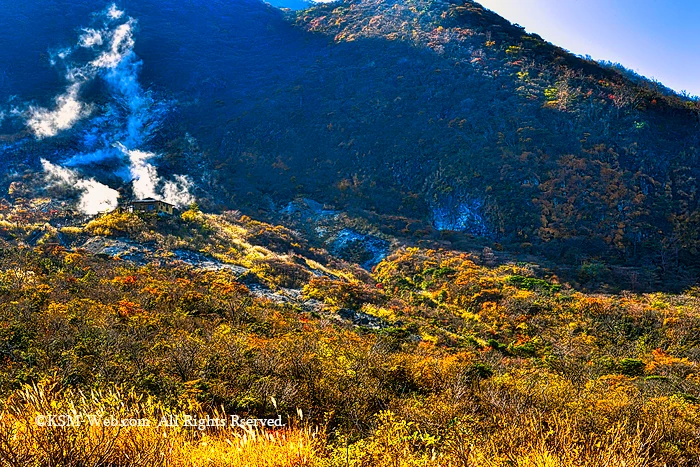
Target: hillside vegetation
(439, 112)
(453, 244)
(436, 358)
(472, 124)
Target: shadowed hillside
(436, 111)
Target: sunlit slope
(437, 357)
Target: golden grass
(253, 448)
(529, 441)
(23, 443)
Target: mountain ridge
(406, 230)
(438, 112)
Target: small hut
(151, 205)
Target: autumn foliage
(471, 363)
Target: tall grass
(528, 441)
(23, 443)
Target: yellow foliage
(191, 215)
(662, 363)
(71, 230)
(116, 222)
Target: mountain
(435, 112)
(399, 233)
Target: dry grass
(23, 443)
(251, 448)
(551, 440)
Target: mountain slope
(435, 111)
(399, 171)
(471, 124)
(553, 146)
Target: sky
(659, 39)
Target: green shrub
(631, 367)
(533, 284)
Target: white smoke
(113, 12)
(177, 192)
(144, 175)
(95, 197)
(45, 123)
(90, 39)
(121, 43)
(61, 54)
(146, 183)
(69, 109)
(123, 125)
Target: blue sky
(659, 39)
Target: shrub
(534, 284)
(631, 367)
(340, 293)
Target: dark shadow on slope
(392, 128)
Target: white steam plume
(69, 109)
(121, 43)
(125, 124)
(91, 38)
(113, 12)
(95, 197)
(146, 182)
(144, 175)
(177, 192)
